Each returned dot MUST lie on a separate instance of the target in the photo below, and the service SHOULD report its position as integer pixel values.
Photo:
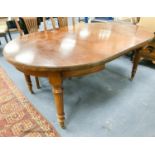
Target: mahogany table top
(75, 47)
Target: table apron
(82, 72)
(33, 72)
(65, 74)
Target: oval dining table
(74, 51)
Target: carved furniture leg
(56, 81)
(37, 82)
(29, 83)
(136, 60)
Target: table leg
(136, 60)
(37, 82)
(56, 82)
(29, 83)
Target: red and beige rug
(17, 115)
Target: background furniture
(133, 20)
(78, 51)
(101, 19)
(4, 29)
(148, 52)
(11, 25)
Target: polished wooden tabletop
(79, 46)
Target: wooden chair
(62, 21)
(30, 23)
(32, 26)
(148, 52)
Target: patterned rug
(17, 115)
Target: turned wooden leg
(56, 82)
(37, 82)
(29, 83)
(136, 60)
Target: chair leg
(29, 83)
(136, 60)
(9, 35)
(37, 82)
(6, 39)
